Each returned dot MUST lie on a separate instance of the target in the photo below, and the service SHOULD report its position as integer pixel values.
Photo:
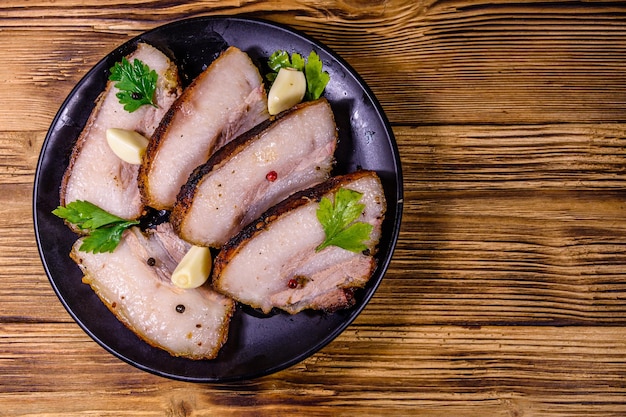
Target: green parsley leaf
(104, 230)
(316, 77)
(297, 62)
(86, 215)
(279, 59)
(136, 82)
(338, 219)
(105, 239)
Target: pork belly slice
(225, 100)
(256, 171)
(134, 283)
(95, 173)
(273, 262)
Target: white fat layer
(299, 148)
(143, 298)
(97, 174)
(258, 275)
(223, 102)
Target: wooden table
(507, 292)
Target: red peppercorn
(271, 176)
(293, 283)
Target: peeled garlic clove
(194, 269)
(128, 145)
(287, 91)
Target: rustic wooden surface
(507, 292)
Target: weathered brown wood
(460, 62)
(507, 292)
(494, 370)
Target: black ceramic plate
(257, 344)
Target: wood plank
(453, 62)
(26, 293)
(19, 153)
(485, 258)
(499, 370)
(502, 227)
(465, 158)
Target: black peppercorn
(151, 261)
(180, 308)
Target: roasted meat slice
(273, 262)
(256, 171)
(95, 173)
(134, 283)
(225, 100)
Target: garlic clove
(194, 269)
(287, 91)
(128, 145)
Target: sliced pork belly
(95, 173)
(225, 100)
(273, 262)
(134, 283)
(256, 171)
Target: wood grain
(453, 62)
(495, 370)
(506, 295)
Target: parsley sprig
(316, 77)
(136, 82)
(338, 220)
(104, 230)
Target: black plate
(258, 344)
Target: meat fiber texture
(256, 171)
(95, 173)
(224, 101)
(191, 323)
(261, 264)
